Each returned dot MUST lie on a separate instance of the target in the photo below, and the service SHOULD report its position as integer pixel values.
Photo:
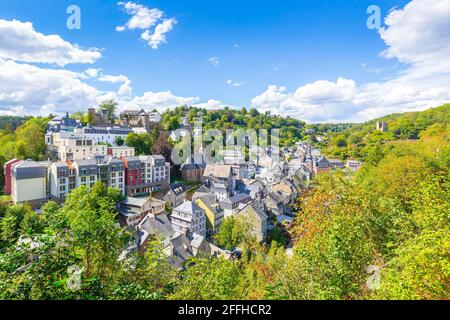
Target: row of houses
(64, 146)
(68, 139)
(36, 182)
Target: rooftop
(218, 170)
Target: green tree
(11, 222)
(119, 141)
(111, 106)
(208, 279)
(140, 141)
(233, 232)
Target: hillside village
(146, 226)
(186, 211)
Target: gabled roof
(182, 251)
(210, 201)
(135, 202)
(186, 207)
(159, 225)
(218, 170)
(252, 207)
(178, 188)
(322, 162)
(237, 198)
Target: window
(92, 178)
(83, 179)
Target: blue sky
(289, 45)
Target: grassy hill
(363, 141)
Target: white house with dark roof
(188, 218)
(156, 172)
(107, 135)
(176, 194)
(154, 116)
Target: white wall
(28, 190)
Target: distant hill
(291, 130)
(360, 140)
(11, 122)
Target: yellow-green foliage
(363, 141)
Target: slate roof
(29, 169)
(218, 170)
(136, 202)
(178, 188)
(159, 225)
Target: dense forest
(291, 130)
(11, 122)
(25, 142)
(381, 233)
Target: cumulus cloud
(28, 89)
(19, 41)
(142, 17)
(152, 20)
(158, 37)
(418, 37)
(125, 87)
(318, 101)
(33, 90)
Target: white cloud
(159, 35)
(234, 83)
(162, 100)
(19, 41)
(215, 61)
(166, 99)
(152, 20)
(326, 92)
(92, 72)
(142, 17)
(418, 36)
(125, 87)
(419, 33)
(211, 104)
(32, 90)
